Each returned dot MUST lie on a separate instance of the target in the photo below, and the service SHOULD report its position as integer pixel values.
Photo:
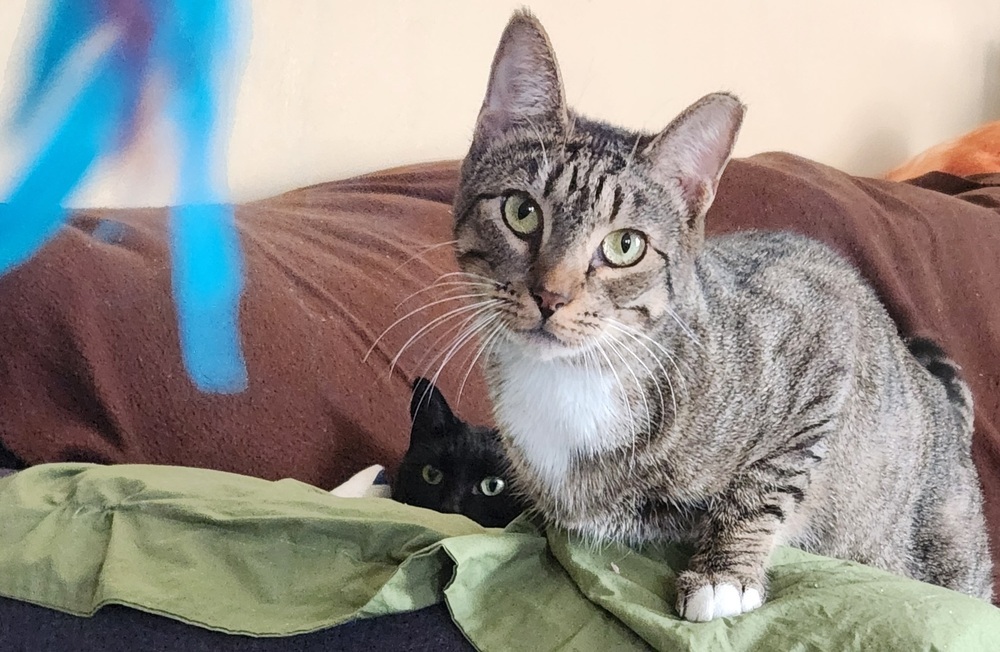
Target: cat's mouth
(539, 334)
(547, 344)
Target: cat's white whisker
(639, 386)
(423, 251)
(457, 335)
(461, 341)
(635, 149)
(615, 347)
(458, 273)
(454, 286)
(414, 312)
(621, 388)
(482, 324)
(451, 314)
(480, 277)
(465, 332)
(673, 395)
(541, 144)
(485, 346)
(684, 327)
(589, 356)
(670, 357)
(436, 350)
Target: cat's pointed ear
(429, 410)
(525, 86)
(692, 152)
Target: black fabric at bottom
(30, 628)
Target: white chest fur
(554, 410)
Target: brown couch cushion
(90, 367)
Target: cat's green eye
(522, 214)
(492, 486)
(623, 248)
(432, 475)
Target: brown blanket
(90, 367)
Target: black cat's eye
(431, 475)
(492, 486)
(521, 214)
(623, 248)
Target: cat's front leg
(727, 575)
(721, 583)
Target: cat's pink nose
(548, 302)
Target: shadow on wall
(879, 142)
(878, 134)
(991, 83)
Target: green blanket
(244, 555)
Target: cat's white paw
(706, 600)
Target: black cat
(452, 466)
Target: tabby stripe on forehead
(599, 189)
(572, 180)
(555, 174)
(589, 172)
(616, 204)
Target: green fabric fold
(244, 555)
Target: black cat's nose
(548, 302)
(452, 505)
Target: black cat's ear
(525, 86)
(429, 410)
(689, 156)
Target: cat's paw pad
(701, 598)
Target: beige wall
(334, 87)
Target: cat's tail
(929, 354)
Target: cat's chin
(545, 346)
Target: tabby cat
(736, 393)
(452, 466)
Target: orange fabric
(977, 152)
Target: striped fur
(737, 393)
(933, 358)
